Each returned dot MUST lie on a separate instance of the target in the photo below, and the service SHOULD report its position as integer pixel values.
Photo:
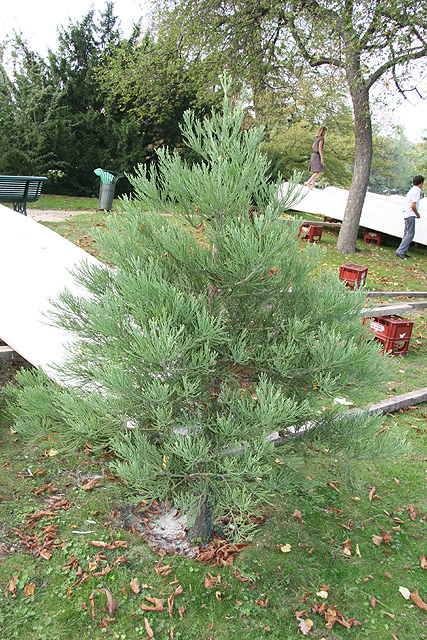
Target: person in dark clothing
(316, 161)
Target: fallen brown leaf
(29, 589)
(417, 600)
(412, 512)
(331, 484)
(262, 603)
(134, 585)
(170, 605)
(211, 581)
(42, 489)
(91, 484)
(298, 514)
(148, 628)
(371, 493)
(111, 603)
(12, 584)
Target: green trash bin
(107, 188)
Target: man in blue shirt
(410, 213)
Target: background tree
(29, 106)
(216, 329)
(152, 85)
(392, 164)
(365, 40)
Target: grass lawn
(65, 203)
(344, 549)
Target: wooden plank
(6, 354)
(399, 402)
(418, 305)
(387, 310)
(396, 294)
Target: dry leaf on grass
(91, 484)
(134, 585)
(157, 604)
(148, 628)
(29, 589)
(417, 600)
(262, 603)
(331, 484)
(211, 581)
(111, 603)
(423, 561)
(412, 512)
(347, 547)
(170, 605)
(116, 544)
(305, 625)
(297, 514)
(12, 584)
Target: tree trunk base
(202, 529)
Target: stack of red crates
(394, 333)
(353, 275)
(310, 232)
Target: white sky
(38, 20)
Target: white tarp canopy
(35, 263)
(379, 213)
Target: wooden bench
(18, 190)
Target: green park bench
(18, 190)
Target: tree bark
(362, 157)
(203, 524)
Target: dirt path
(54, 216)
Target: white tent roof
(379, 213)
(35, 263)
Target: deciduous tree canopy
(365, 40)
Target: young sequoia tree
(216, 329)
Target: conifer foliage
(217, 328)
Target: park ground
(337, 555)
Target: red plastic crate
(396, 347)
(373, 237)
(353, 274)
(392, 327)
(394, 333)
(310, 233)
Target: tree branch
(393, 62)
(312, 61)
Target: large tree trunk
(362, 157)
